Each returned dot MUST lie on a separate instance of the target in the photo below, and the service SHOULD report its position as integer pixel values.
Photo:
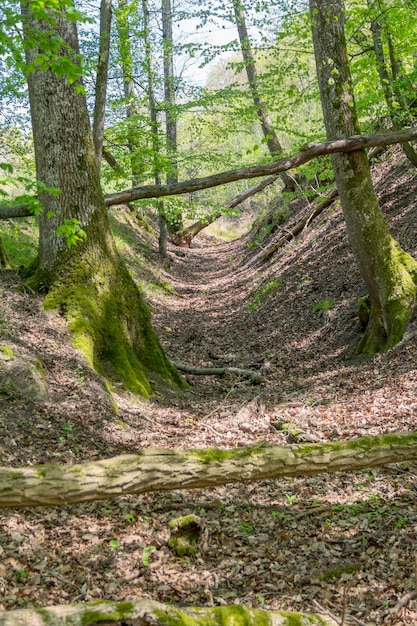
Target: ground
(342, 543)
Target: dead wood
(156, 469)
(151, 613)
(299, 227)
(313, 150)
(255, 377)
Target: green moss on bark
(388, 318)
(108, 317)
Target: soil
(340, 543)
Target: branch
(165, 470)
(150, 613)
(357, 142)
(292, 232)
(255, 377)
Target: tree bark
(151, 613)
(101, 79)
(86, 278)
(390, 274)
(173, 223)
(165, 470)
(350, 144)
(273, 143)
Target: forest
(208, 274)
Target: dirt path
(280, 544)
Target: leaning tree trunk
(390, 274)
(85, 277)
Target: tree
(101, 79)
(393, 97)
(390, 274)
(270, 136)
(78, 263)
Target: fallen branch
(295, 230)
(151, 613)
(165, 470)
(350, 144)
(255, 377)
(186, 235)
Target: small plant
(246, 529)
(146, 555)
(269, 287)
(80, 374)
(324, 305)
(114, 544)
(291, 498)
(130, 518)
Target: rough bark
(273, 143)
(165, 470)
(151, 613)
(101, 79)
(350, 144)
(87, 281)
(390, 274)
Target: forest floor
(342, 543)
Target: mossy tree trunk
(165, 470)
(151, 613)
(389, 273)
(87, 281)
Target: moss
(211, 455)
(185, 535)
(387, 322)
(6, 353)
(364, 443)
(338, 571)
(110, 322)
(123, 609)
(232, 615)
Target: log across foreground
(164, 469)
(151, 613)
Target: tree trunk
(101, 79)
(389, 273)
(273, 143)
(86, 277)
(311, 151)
(156, 144)
(125, 52)
(396, 115)
(151, 613)
(173, 223)
(165, 470)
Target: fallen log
(164, 469)
(152, 613)
(295, 230)
(255, 377)
(311, 151)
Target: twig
(326, 611)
